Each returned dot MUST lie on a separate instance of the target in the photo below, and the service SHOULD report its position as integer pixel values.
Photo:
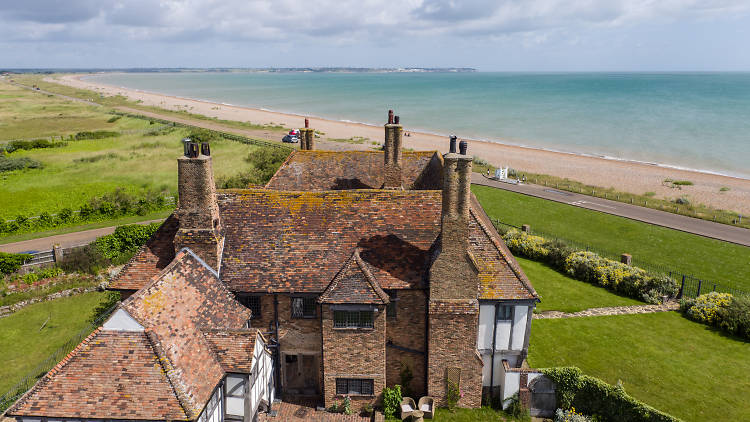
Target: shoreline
(620, 173)
(510, 143)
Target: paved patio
(305, 410)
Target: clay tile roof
(185, 296)
(233, 348)
(150, 259)
(282, 241)
(335, 170)
(354, 284)
(500, 276)
(110, 375)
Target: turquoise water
(692, 120)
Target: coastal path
(683, 223)
(66, 240)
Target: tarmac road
(725, 232)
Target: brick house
(354, 266)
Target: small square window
(304, 307)
(252, 303)
(505, 313)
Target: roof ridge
(362, 266)
(167, 369)
(374, 285)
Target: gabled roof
(110, 375)
(231, 347)
(500, 276)
(186, 296)
(283, 241)
(336, 170)
(150, 259)
(354, 284)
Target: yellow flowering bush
(527, 245)
(706, 308)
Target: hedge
(728, 313)
(595, 397)
(125, 240)
(11, 262)
(115, 204)
(592, 268)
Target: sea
(696, 121)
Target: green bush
(570, 416)
(590, 267)
(12, 164)
(722, 310)
(267, 161)
(40, 274)
(11, 262)
(85, 260)
(705, 308)
(391, 401)
(735, 318)
(593, 396)
(98, 134)
(29, 145)
(125, 241)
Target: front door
(301, 374)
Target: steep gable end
(354, 284)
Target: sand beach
(628, 176)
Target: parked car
(292, 137)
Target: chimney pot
(462, 146)
(186, 147)
(390, 117)
(453, 144)
(307, 122)
(205, 148)
(396, 119)
(193, 149)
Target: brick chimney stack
(197, 209)
(453, 305)
(392, 157)
(307, 137)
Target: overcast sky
(506, 35)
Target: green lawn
(134, 161)
(676, 365)
(721, 262)
(562, 293)
(23, 341)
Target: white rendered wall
(520, 313)
(121, 321)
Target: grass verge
(681, 367)
(23, 341)
(562, 293)
(721, 262)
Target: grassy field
(676, 365)
(136, 161)
(721, 262)
(561, 293)
(23, 341)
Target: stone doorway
(301, 374)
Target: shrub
(570, 416)
(592, 396)
(735, 318)
(452, 394)
(346, 406)
(86, 259)
(267, 161)
(114, 119)
(11, 262)
(527, 245)
(516, 409)
(12, 164)
(125, 241)
(391, 401)
(98, 134)
(705, 308)
(40, 274)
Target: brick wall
(408, 330)
(353, 353)
(452, 344)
